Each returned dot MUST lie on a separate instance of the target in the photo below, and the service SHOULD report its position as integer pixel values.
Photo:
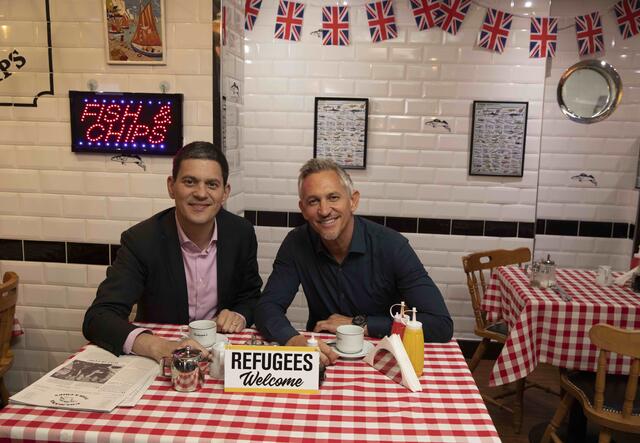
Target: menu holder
(390, 358)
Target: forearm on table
(152, 346)
(273, 324)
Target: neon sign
(127, 123)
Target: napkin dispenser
(543, 273)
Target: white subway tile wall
(607, 150)
(413, 170)
(49, 193)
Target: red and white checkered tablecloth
(543, 328)
(355, 403)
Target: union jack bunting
(495, 30)
(426, 13)
(289, 20)
(382, 21)
(453, 13)
(251, 10)
(628, 17)
(589, 33)
(335, 25)
(544, 37)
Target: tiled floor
(539, 406)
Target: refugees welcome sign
(292, 369)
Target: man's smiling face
(199, 193)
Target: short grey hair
(324, 164)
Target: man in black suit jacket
(149, 269)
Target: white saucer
(366, 348)
(220, 338)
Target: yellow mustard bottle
(413, 342)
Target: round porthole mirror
(589, 91)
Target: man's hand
(328, 356)
(230, 321)
(149, 345)
(331, 324)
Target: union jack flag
(628, 17)
(544, 37)
(495, 30)
(589, 33)
(289, 20)
(453, 14)
(382, 21)
(251, 10)
(335, 25)
(426, 12)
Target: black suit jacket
(149, 271)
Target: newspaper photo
(93, 380)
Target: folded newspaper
(93, 380)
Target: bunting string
(448, 15)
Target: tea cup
(349, 339)
(203, 331)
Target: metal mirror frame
(615, 90)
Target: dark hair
(202, 151)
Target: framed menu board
(498, 135)
(340, 130)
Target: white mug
(604, 277)
(203, 331)
(349, 339)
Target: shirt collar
(357, 245)
(184, 240)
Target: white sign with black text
(292, 369)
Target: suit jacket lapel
(222, 265)
(175, 266)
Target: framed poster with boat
(135, 32)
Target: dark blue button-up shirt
(379, 270)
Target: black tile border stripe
(486, 228)
(104, 254)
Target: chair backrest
(623, 342)
(8, 299)
(474, 265)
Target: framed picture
(135, 32)
(498, 134)
(340, 130)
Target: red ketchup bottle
(399, 321)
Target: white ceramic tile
(64, 229)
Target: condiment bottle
(313, 342)
(413, 342)
(399, 321)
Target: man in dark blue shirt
(351, 269)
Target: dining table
(355, 403)
(551, 325)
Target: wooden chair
(611, 401)
(475, 266)
(8, 298)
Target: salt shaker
(216, 369)
(535, 274)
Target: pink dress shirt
(201, 272)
